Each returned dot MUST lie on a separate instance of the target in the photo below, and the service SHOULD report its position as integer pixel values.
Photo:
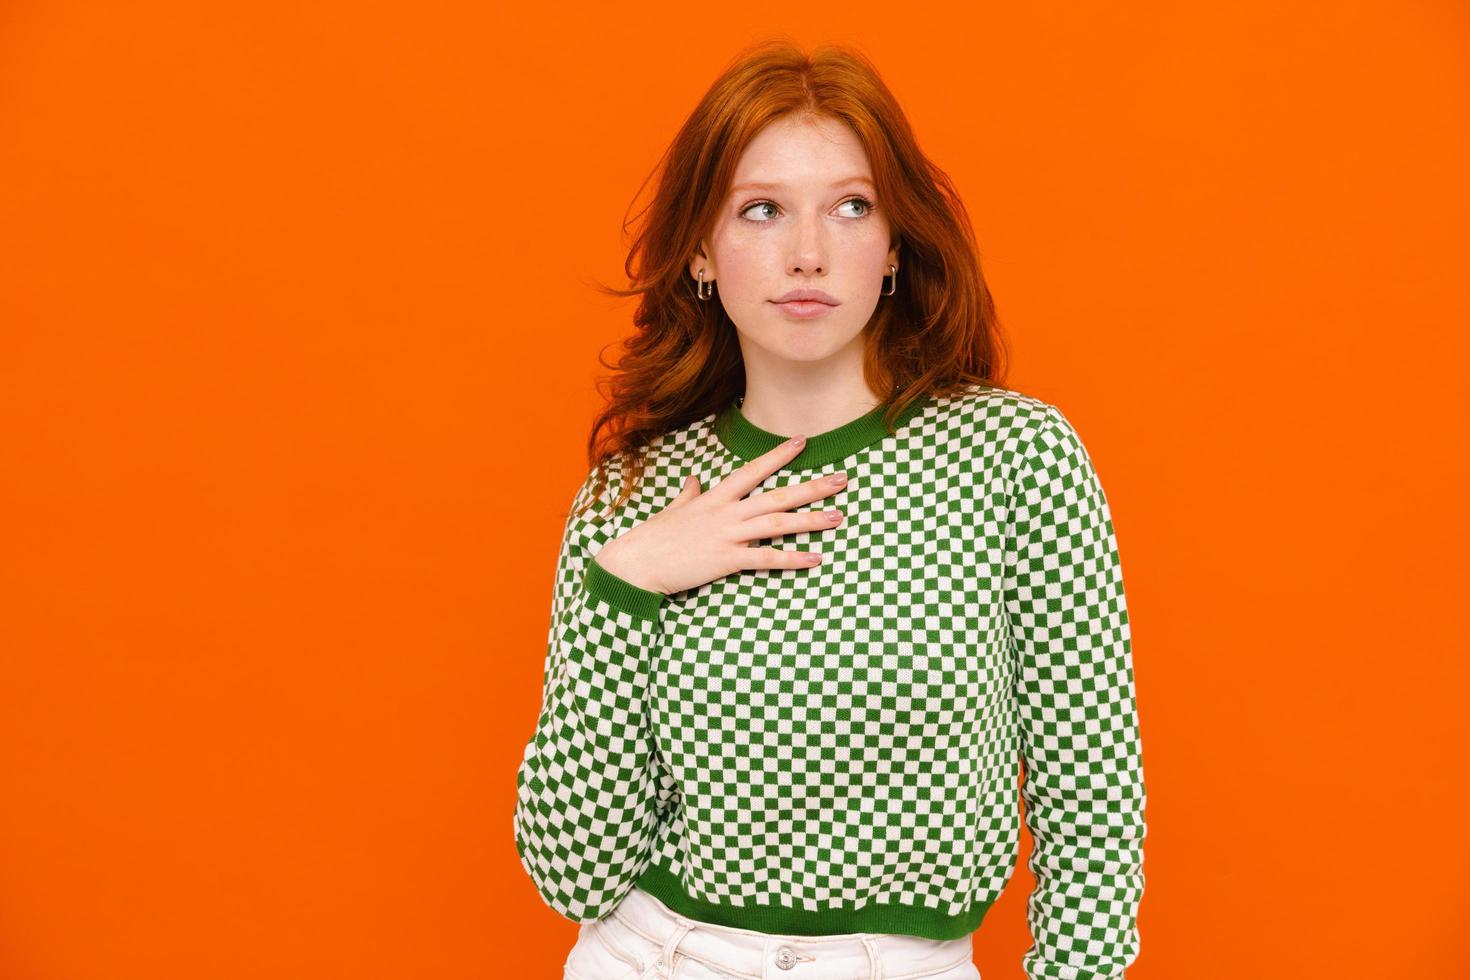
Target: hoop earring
(701, 293)
(892, 278)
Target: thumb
(691, 489)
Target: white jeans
(643, 938)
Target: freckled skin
(811, 231)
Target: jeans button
(785, 957)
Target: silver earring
(702, 294)
(892, 278)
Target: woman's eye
(752, 207)
(864, 205)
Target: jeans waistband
(749, 953)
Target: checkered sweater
(835, 749)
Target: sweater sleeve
(1083, 783)
(587, 806)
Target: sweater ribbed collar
(748, 440)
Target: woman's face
(810, 223)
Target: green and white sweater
(835, 749)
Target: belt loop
(877, 961)
(666, 955)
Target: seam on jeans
(710, 965)
(628, 923)
(718, 971)
(727, 971)
(617, 951)
(970, 959)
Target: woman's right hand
(703, 536)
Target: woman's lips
(804, 309)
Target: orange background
(298, 365)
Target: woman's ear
(701, 260)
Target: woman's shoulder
(1011, 429)
(994, 411)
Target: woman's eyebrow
(776, 186)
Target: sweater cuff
(620, 593)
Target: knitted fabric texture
(837, 749)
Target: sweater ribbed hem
(877, 917)
(620, 593)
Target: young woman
(789, 681)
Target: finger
(786, 498)
(779, 558)
(754, 473)
(690, 490)
(776, 525)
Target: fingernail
(797, 441)
(813, 557)
(838, 478)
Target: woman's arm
(1083, 786)
(587, 804)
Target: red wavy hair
(938, 332)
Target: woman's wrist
(612, 560)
